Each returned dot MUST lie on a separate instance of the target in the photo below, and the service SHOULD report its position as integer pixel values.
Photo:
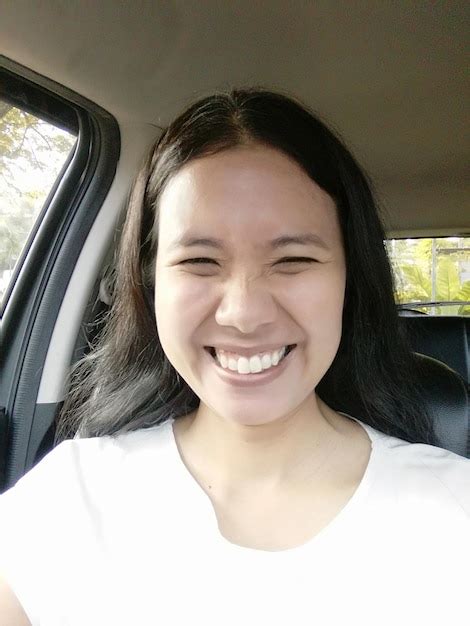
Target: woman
(210, 479)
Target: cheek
(178, 306)
(322, 294)
(319, 306)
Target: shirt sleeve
(31, 512)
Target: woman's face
(246, 293)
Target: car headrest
(444, 338)
(445, 394)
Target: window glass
(432, 275)
(32, 154)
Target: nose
(245, 305)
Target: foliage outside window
(32, 154)
(433, 271)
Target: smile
(249, 364)
(234, 377)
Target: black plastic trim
(4, 423)
(29, 97)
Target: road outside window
(32, 154)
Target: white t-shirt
(117, 531)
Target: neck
(228, 457)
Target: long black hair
(126, 382)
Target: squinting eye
(298, 259)
(198, 261)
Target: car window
(432, 275)
(33, 152)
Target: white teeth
(255, 365)
(249, 366)
(243, 365)
(252, 365)
(266, 361)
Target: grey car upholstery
(444, 338)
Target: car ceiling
(390, 77)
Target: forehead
(244, 194)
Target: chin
(247, 415)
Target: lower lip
(250, 380)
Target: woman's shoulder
(428, 455)
(91, 460)
(430, 472)
(420, 455)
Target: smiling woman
(252, 291)
(238, 175)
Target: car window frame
(32, 301)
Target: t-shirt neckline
(203, 502)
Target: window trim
(33, 298)
(30, 97)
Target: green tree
(413, 268)
(32, 152)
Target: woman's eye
(199, 261)
(298, 259)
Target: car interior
(389, 78)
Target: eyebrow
(304, 239)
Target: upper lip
(244, 351)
